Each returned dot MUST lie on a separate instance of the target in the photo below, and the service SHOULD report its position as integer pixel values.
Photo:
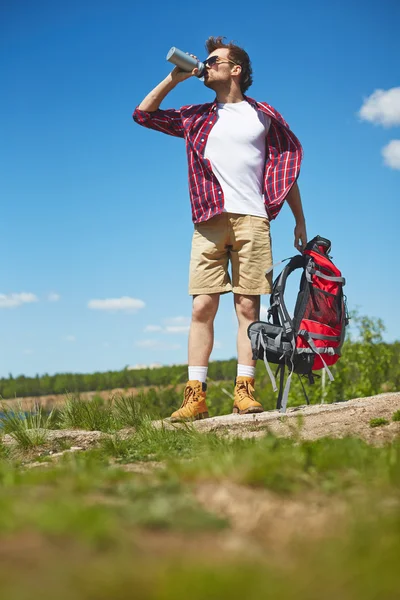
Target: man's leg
(201, 335)
(201, 341)
(247, 310)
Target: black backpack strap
(278, 308)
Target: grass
(101, 415)
(100, 532)
(396, 416)
(28, 429)
(92, 415)
(86, 527)
(378, 422)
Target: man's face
(219, 72)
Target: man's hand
(300, 236)
(178, 75)
(153, 100)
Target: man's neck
(230, 96)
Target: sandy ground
(312, 422)
(351, 418)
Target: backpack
(313, 338)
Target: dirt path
(312, 422)
(309, 422)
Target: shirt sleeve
(167, 121)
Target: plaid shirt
(194, 123)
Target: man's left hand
(300, 237)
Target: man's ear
(237, 69)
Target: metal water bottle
(185, 61)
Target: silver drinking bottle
(185, 61)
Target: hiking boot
(194, 403)
(244, 402)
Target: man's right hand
(178, 75)
(155, 97)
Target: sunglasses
(213, 60)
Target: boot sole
(248, 411)
(188, 419)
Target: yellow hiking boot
(244, 402)
(194, 403)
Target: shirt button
(202, 139)
(219, 192)
(210, 122)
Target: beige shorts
(242, 240)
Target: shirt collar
(214, 105)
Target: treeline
(368, 366)
(62, 383)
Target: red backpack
(313, 338)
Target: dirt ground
(351, 418)
(312, 422)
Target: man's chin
(208, 84)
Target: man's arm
(300, 233)
(148, 112)
(155, 97)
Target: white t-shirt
(236, 148)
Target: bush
(28, 429)
(378, 422)
(396, 416)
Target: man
(243, 164)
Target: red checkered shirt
(194, 123)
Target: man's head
(227, 63)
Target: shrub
(92, 415)
(396, 416)
(378, 422)
(28, 429)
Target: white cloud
(125, 303)
(156, 344)
(177, 329)
(177, 321)
(217, 344)
(70, 338)
(153, 328)
(53, 297)
(13, 300)
(28, 351)
(263, 313)
(382, 107)
(391, 154)
(173, 325)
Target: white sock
(245, 371)
(198, 374)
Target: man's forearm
(155, 97)
(294, 201)
(300, 233)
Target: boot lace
(245, 390)
(189, 396)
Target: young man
(243, 164)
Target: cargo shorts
(229, 239)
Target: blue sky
(95, 208)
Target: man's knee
(205, 307)
(247, 307)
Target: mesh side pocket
(324, 308)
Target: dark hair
(238, 55)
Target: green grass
(84, 498)
(28, 429)
(92, 415)
(98, 414)
(396, 416)
(378, 422)
(89, 529)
